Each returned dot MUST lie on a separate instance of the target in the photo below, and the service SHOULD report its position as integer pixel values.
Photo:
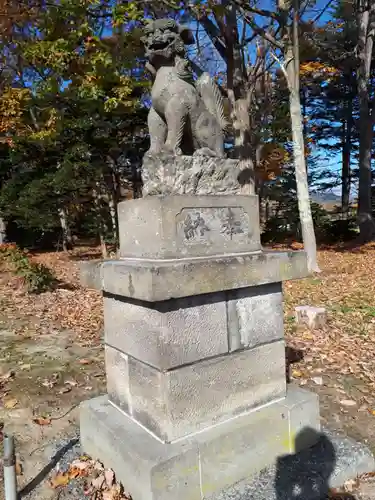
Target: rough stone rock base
(165, 174)
(206, 463)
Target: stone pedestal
(195, 357)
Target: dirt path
(45, 379)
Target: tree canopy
(74, 99)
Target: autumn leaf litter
(68, 306)
(345, 287)
(97, 482)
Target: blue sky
(332, 162)
(322, 160)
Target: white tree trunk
(101, 228)
(291, 54)
(66, 233)
(112, 211)
(307, 225)
(2, 231)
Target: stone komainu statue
(185, 116)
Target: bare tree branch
(255, 10)
(215, 35)
(261, 31)
(321, 13)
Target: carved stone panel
(207, 225)
(188, 226)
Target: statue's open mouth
(159, 45)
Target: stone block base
(192, 398)
(205, 463)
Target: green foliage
(338, 231)
(285, 226)
(37, 277)
(80, 118)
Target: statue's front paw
(153, 151)
(172, 150)
(206, 152)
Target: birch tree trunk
(67, 239)
(366, 30)
(112, 211)
(111, 190)
(2, 231)
(291, 55)
(304, 207)
(101, 226)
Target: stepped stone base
(204, 463)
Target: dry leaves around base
(68, 306)
(42, 421)
(99, 483)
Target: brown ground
(51, 356)
(339, 361)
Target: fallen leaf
(296, 374)
(60, 479)
(48, 383)
(367, 475)
(348, 402)
(42, 421)
(10, 403)
(81, 465)
(72, 383)
(88, 490)
(317, 380)
(350, 484)
(307, 336)
(109, 477)
(98, 482)
(74, 472)
(65, 390)
(25, 366)
(109, 495)
(371, 411)
(19, 469)
(52, 381)
(113, 494)
(98, 466)
(7, 376)
(85, 361)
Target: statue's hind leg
(176, 115)
(158, 132)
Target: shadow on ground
(306, 474)
(29, 487)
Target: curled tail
(212, 98)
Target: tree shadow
(29, 487)
(305, 474)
